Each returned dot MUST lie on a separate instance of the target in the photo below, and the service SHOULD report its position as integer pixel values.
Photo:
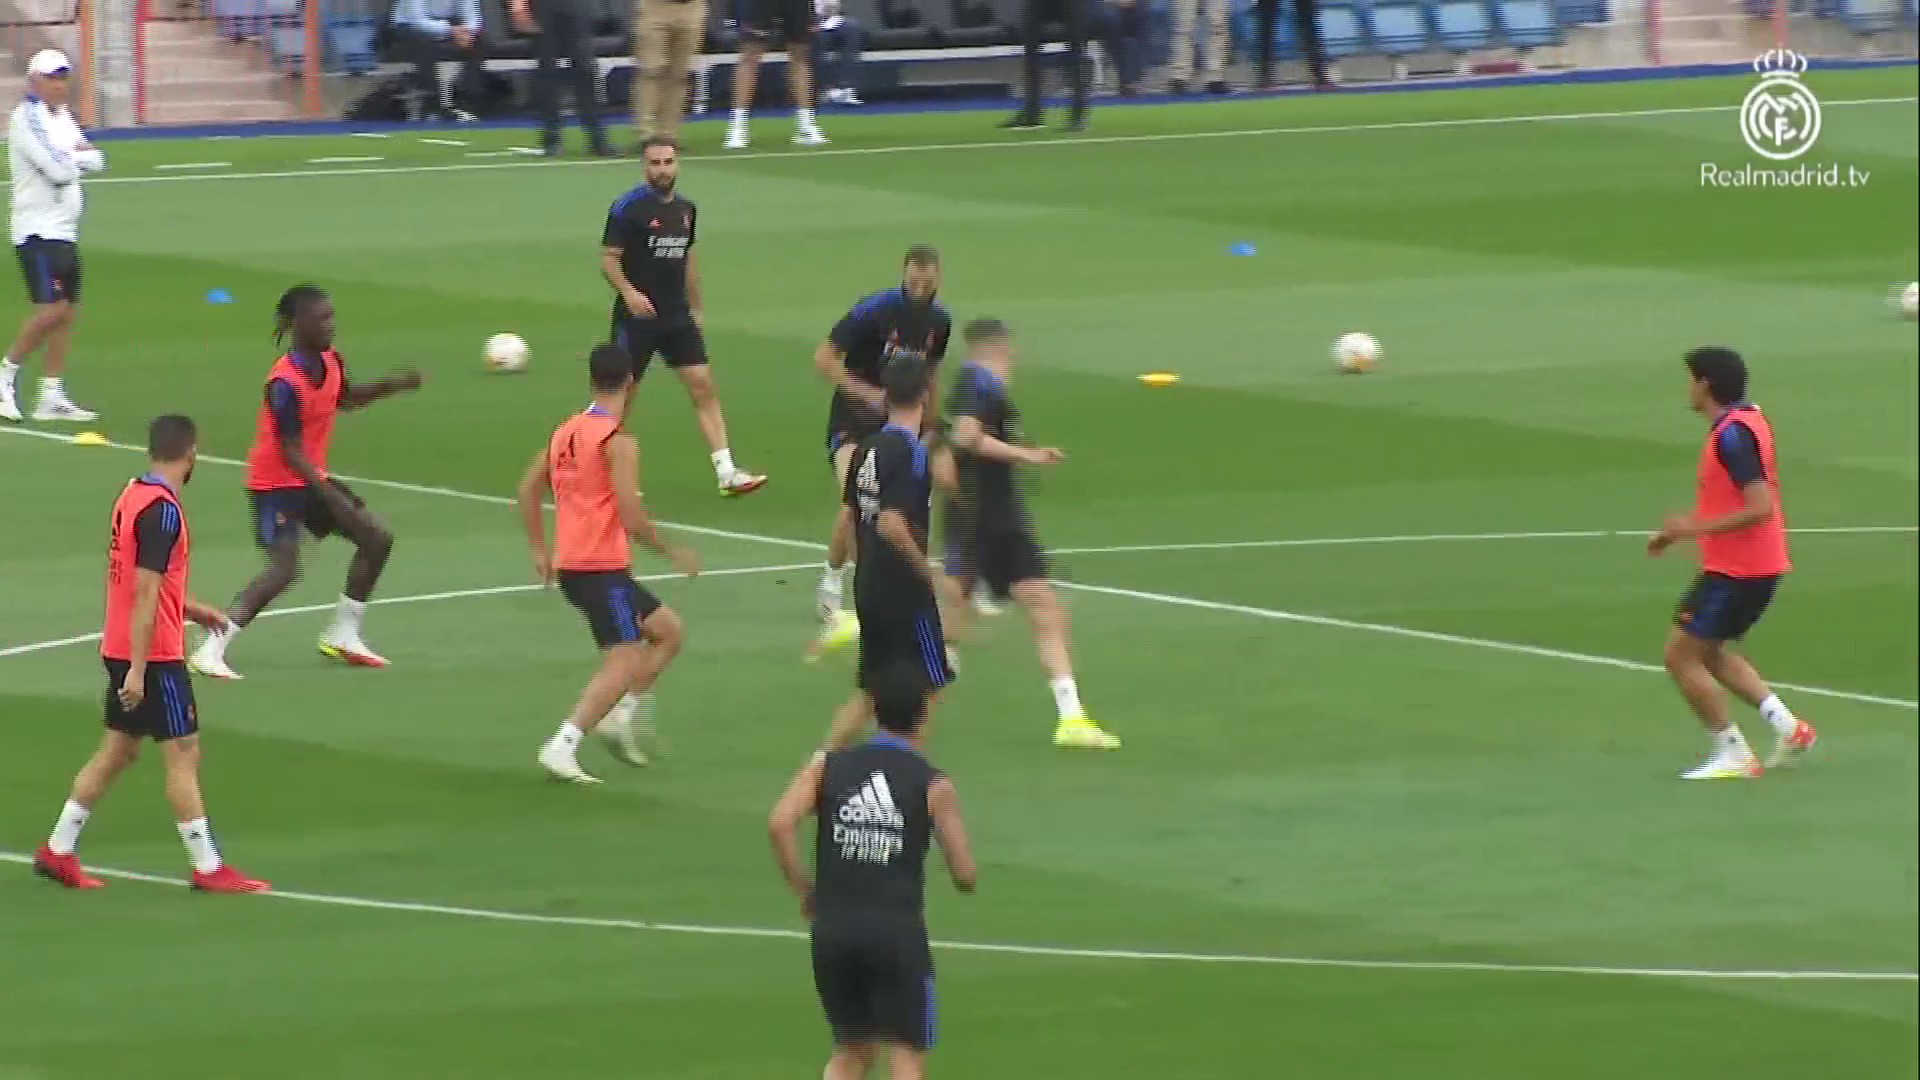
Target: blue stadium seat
(1461, 25)
(1526, 24)
(350, 45)
(1870, 16)
(1585, 12)
(1398, 27)
(1341, 32)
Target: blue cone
(1243, 249)
(219, 296)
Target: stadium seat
(1870, 16)
(1461, 25)
(1398, 27)
(1341, 32)
(1526, 24)
(350, 45)
(1585, 12)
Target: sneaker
(64, 870)
(59, 409)
(742, 483)
(809, 134)
(9, 408)
(227, 880)
(1726, 765)
(1022, 121)
(837, 631)
(737, 138)
(1080, 733)
(985, 602)
(210, 659)
(561, 765)
(1791, 747)
(628, 730)
(346, 647)
(851, 97)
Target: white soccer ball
(1910, 299)
(506, 352)
(1356, 353)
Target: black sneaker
(1219, 88)
(1022, 121)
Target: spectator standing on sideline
(1306, 27)
(667, 37)
(47, 154)
(1035, 15)
(1122, 27)
(562, 30)
(840, 41)
(761, 22)
(1213, 45)
(426, 32)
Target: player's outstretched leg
(1049, 617)
(1690, 661)
(698, 379)
(618, 667)
(629, 730)
(1793, 737)
(210, 872)
(373, 544)
(281, 571)
(58, 859)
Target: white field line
(444, 142)
(360, 160)
(1478, 967)
(1135, 594)
(184, 166)
(1430, 538)
(1018, 144)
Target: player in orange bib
(291, 491)
(143, 646)
(1742, 534)
(592, 467)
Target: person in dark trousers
(1306, 27)
(562, 30)
(1074, 16)
(425, 32)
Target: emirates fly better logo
(1780, 118)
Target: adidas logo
(872, 805)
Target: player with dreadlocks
(290, 490)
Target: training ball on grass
(506, 352)
(1910, 299)
(1356, 353)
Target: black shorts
(167, 712)
(999, 557)
(615, 605)
(52, 269)
(893, 631)
(876, 985)
(792, 21)
(1722, 608)
(282, 512)
(676, 338)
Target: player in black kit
(887, 506)
(878, 806)
(647, 256)
(989, 533)
(901, 321)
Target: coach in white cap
(48, 154)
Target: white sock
(739, 117)
(568, 736)
(1730, 740)
(66, 831)
(50, 387)
(804, 117)
(1066, 695)
(833, 579)
(347, 614)
(200, 850)
(9, 371)
(723, 464)
(1779, 715)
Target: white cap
(49, 62)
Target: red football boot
(64, 870)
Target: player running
(901, 321)
(289, 487)
(877, 805)
(592, 466)
(886, 506)
(990, 538)
(149, 695)
(1742, 533)
(647, 256)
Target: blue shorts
(166, 712)
(613, 603)
(283, 512)
(51, 269)
(1722, 608)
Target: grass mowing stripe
(1470, 966)
(1110, 590)
(1087, 140)
(419, 598)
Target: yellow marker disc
(90, 438)
(1159, 378)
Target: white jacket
(45, 157)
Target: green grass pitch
(1416, 752)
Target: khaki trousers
(667, 38)
(1213, 45)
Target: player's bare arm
(146, 602)
(893, 528)
(360, 395)
(969, 435)
(696, 296)
(831, 361)
(530, 497)
(623, 461)
(796, 804)
(202, 614)
(950, 831)
(1758, 504)
(637, 303)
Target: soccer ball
(506, 353)
(1356, 353)
(1910, 299)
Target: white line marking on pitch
(342, 160)
(1136, 594)
(1083, 140)
(1484, 967)
(417, 598)
(1428, 538)
(196, 165)
(370, 135)
(444, 142)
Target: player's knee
(183, 754)
(1685, 652)
(377, 542)
(665, 631)
(699, 384)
